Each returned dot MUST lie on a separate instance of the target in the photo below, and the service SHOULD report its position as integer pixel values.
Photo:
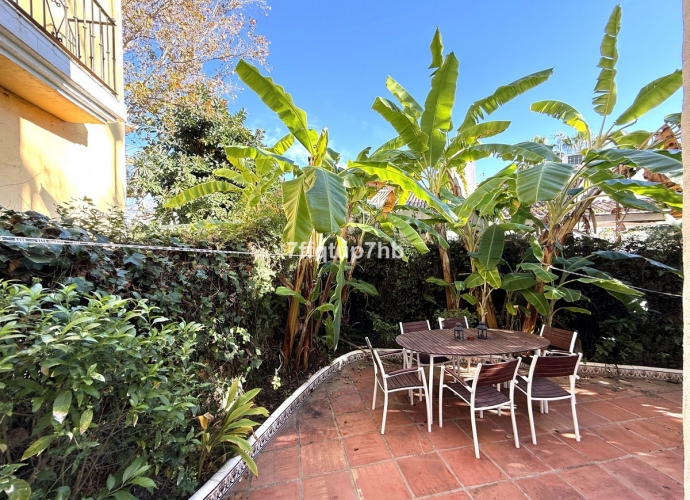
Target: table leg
(431, 389)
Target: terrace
(631, 447)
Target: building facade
(62, 111)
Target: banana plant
(426, 158)
(605, 98)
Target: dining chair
(537, 386)
(405, 379)
(562, 340)
(449, 323)
(422, 359)
(481, 392)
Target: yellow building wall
(45, 161)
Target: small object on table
(470, 337)
(458, 332)
(482, 331)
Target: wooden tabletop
(442, 343)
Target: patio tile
(458, 495)
(592, 446)
(353, 423)
(408, 440)
(644, 406)
(644, 479)
(287, 436)
(548, 487)
(366, 449)
(284, 491)
(314, 430)
(666, 462)
(427, 474)
(337, 485)
(657, 432)
(515, 462)
(522, 421)
(319, 458)
(498, 491)
(555, 452)
(469, 470)
(625, 439)
(347, 402)
(609, 410)
(587, 418)
(597, 484)
(380, 481)
(318, 405)
(277, 466)
(448, 436)
(396, 416)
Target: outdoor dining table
(443, 343)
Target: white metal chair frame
(382, 380)
(472, 389)
(571, 349)
(530, 379)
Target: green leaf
(560, 292)
(389, 173)
(517, 281)
(408, 102)
(563, 112)
(37, 447)
(482, 199)
(611, 255)
(286, 292)
(404, 124)
(61, 405)
(654, 190)
(491, 247)
(200, 190)
(672, 119)
(279, 101)
(536, 249)
(124, 495)
(409, 233)
(282, 145)
(650, 96)
(474, 280)
(539, 272)
(18, 489)
(326, 200)
(436, 50)
(537, 300)
(363, 287)
(237, 152)
(298, 226)
(436, 117)
(134, 469)
(470, 133)
(542, 182)
(576, 310)
(144, 482)
(504, 151)
(85, 420)
(654, 161)
(230, 174)
(605, 90)
(502, 95)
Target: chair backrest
(445, 323)
(562, 339)
(414, 326)
(378, 365)
(492, 374)
(555, 366)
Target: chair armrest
(402, 371)
(556, 352)
(456, 376)
(390, 352)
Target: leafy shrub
(100, 398)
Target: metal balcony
(82, 28)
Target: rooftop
(331, 447)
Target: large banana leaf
(631, 140)
(366, 228)
(471, 133)
(611, 255)
(436, 50)
(504, 151)
(196, 192)
(502, 95)
(423, 226)
(537, 300)
(650, 96)
(282, 144)
(326, 199)
(491, 247)
(542, 182)
(562, 111)
(654, 190)
(408, 232)
(298, 226)
(404, 125)
(229, 174)
(480, 199)
(408, 102)
(629, 200)
(661, 163)
(605, 90)
(539, 272)
(389, 173)
(237, 152)
(517, 281)
(394, 143)
(436, 117)
(279, 101)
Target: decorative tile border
(631, 371)
(221, 482)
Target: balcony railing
(82, 27)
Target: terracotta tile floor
(331, 448)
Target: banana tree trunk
(447, 271)
(303, 264)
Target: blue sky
(334, 56)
